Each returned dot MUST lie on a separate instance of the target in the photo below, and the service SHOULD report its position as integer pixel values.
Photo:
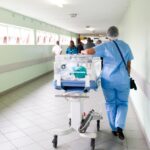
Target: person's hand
(84, 52)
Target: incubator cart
(77, 75)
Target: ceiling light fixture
(59, 3)
(89, 28)
(73, 15)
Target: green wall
(135, 29)
(34, 60)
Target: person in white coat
(57, 50)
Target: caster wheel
(55, 141)
(92, 144)
(69, 122)
(98, 125)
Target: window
(26, 37)
(46, 38)
(39, 37)
(3, 34)
(54, 38)
(15, 35)
(64, 40)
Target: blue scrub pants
(116, 105)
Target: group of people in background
(72, 49)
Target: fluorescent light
(90, 29)
(58, 3)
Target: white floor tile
(4, 123)
(40, 136)
(7, 146)
(3, 139)
(21, 142)
(8, 129)
(32, 130)
(15, 135)
(32, 147)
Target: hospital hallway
(29, 113)
(59, 55)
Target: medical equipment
(77, 75)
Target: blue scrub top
(114, 71)
(73, 50)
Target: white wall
(135, 30)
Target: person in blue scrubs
(115, 80)
(72, 49)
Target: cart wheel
(69, 122)
(93, 144)
(98, 125)
(55, 141)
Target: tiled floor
(28, 115)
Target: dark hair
(78, 41)
(112, 31)
(71, 44)
(88, 39)
(57, 42)
(98, 42)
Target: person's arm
(130, 58)
(129, 66)
(60, 51)
(90, 51)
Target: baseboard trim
(141, 126)
(24, 83)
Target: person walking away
(115, 79)
(79, 45)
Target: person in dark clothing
(79, 45)
(89, 44)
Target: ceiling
(99, 14)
